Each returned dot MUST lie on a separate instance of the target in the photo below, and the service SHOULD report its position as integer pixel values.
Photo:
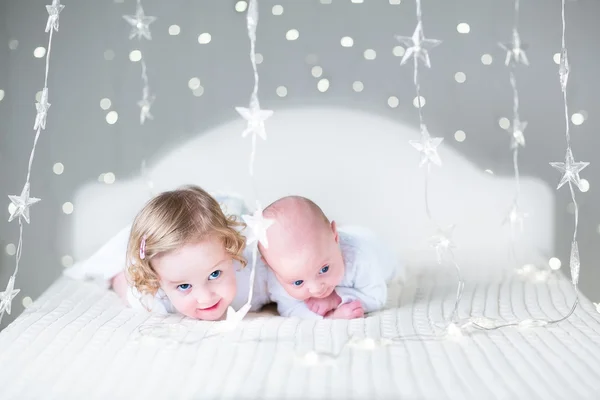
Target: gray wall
(79, 137)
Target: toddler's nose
(204, 298)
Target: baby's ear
(335, 232)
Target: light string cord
(140, 24)
(574, 259)
(425, 134)
(255, 118)
(516, 143)
(23, 202)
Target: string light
(23, 202)
(255, 118)
(140, 28)
(515, 55)
(417, 48)
(570, 170)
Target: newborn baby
(319, 271)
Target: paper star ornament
(570, 169)
(53, 14)
(42, 111)
(442, 241)
(417, 46)
(140, 23)
(258, 226)
(427, 146)
(256, 120)
(22, 204)
(515, 217)
(233, 318)
(515, 51)
(8, 295)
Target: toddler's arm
(119, 284)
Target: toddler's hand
(323, 306)
(347, 311)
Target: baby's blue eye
(214, 275)
(324, 269)
(184, 287)
(298, 282)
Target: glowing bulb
(554, 263)
(463, 27)
(347, 41)
(454, 331)
(486, 59)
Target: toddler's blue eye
(298, 282)
(214, 275)
(184, 287)
(324, 269)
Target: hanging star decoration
(570, 169)
(417, 46)
(515, 51)
(518, 138)
(145, 105)
(140, 23)
(42, 111)
(442, 241)
(258, 225)
(232, 319)
(22, 204)
(563, 70)
(8, 295)
(515, 217)
(256, 119)
(53, 14)
(427, 146)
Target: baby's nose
(316, 288)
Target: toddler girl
(184, 254)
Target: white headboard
(359, 167)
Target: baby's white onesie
(369, 267)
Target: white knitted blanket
(78, 342)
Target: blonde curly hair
(171, 220)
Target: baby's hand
(347, 311)
(323, 306)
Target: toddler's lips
(214, 306)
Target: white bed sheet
(77, 341)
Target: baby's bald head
(302, 247)
(297, 221)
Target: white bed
(78, 341)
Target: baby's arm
(366, 284)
